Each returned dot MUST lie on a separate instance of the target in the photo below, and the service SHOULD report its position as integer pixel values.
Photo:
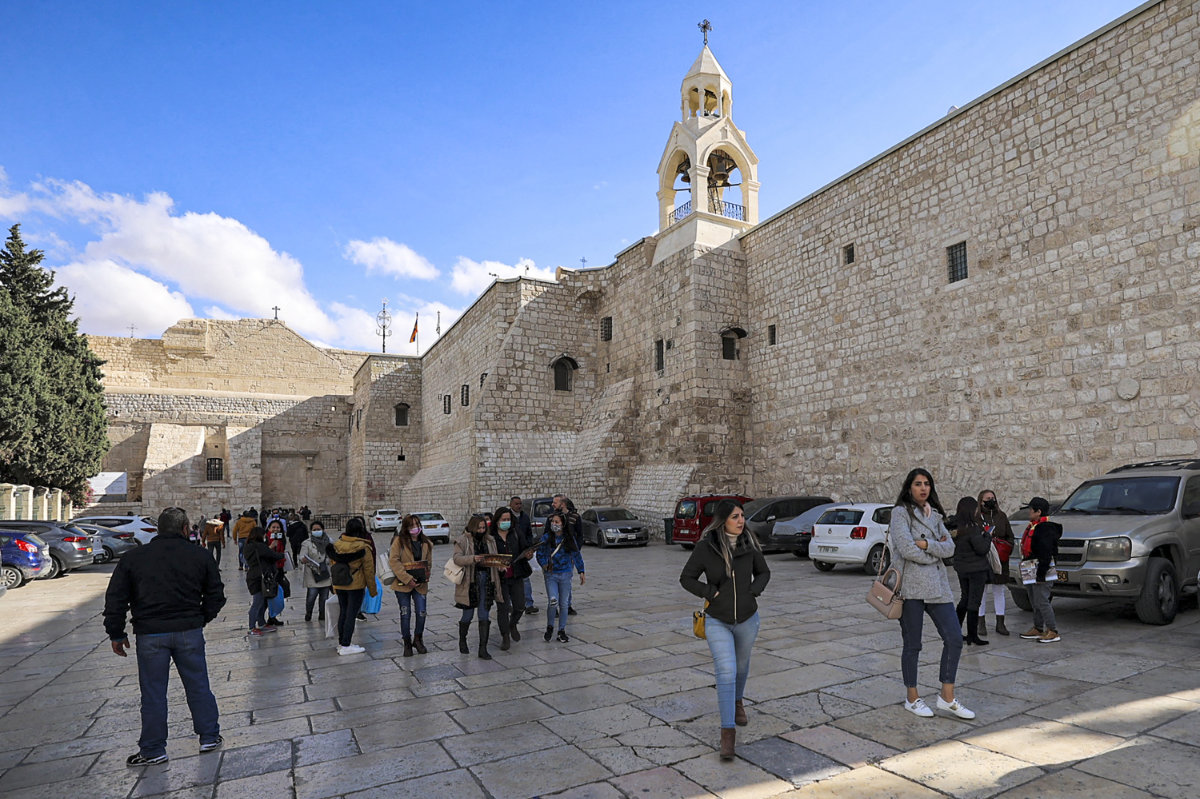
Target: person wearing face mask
(315, 572)
(510, 599)
(277, 540)
(997, 525)
(574, 525)
(559, 556)
(411, 559)
(735, 574)
(477, 591)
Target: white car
(435, 526)
(852, 534)
(385, 519)
(143, 527)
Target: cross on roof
(275, 308)
(705, 26)
(584, 262)
(131, 329)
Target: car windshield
(33, 539)
(1141, 496)
(429, 517)
(754, 507)
(614, 515)
(543, 509)
(841, 516)
(686, 510)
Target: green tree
(53, 430)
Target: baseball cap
(1040, 504)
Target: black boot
(419, 643)
(1000, 628)
(408, 650)
(983, 625)
(463, 627)
(485, 627)
(512, 625)
(505, 638)
(549, 633)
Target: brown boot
(419, 644)
(728, 734)
(739, 714)
(1000, 628)
(408, 652)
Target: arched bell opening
(680, 175)
(725, 196)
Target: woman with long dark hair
(277, 539)
(735, 574)
(996, 524)
(971, 545)
(477, 591)
(353, 575)
(559, 556)
(411, 559)
(510, 598)
(260, 560)
(918, 540)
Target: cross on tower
(705, 26)
(275, 308)
(131, 329)
(583, 261)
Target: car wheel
(878, 560)
(1020, 598)
(688, 546)
(11, 577)
(600, 542)
(56, 568)
(109, 555)
(822, 566)
(1159, 601)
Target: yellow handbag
(698, 621)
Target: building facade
(1008, 297)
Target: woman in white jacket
(918, 541)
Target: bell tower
(708, 175)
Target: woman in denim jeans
(735, 573)
(918, 542)
(559, 558)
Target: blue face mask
(505, 525)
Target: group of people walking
(728, 571)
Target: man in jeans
(1041, 543)
(173, 589)
(524, 534)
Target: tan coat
(401, 553)
(243, 526)
(464, 555)
(362, 570)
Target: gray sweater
(923, 574)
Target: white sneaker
(353, 649)
(918, 708)
(956, 708)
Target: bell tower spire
(708, 173)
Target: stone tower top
(707, 90)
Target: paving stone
(839, 745)
(324, 747)
(811, 709)
(619, 759)
(480, 747)
(895, 727)
(250, 761)
(1115, 711)
(681, 705)
(369, 771)
(1090, 668)
(667, 682)
(789, 761)
(598, 723)
(540, 772)
(595, 790)
(586, 697)
(736, 779)
(457, 784)
(1042, 742)
(796, 681)
(659, 783)
(1072, 784)
(402, 731)
(267, 785)
(501, 714)
(962, 770)
(1164, 768)
(177, 774)
(1169, 681)
(868, 781)
(39, 773)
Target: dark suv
(1131, 534)
(762, 514)
(70, 547)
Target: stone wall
(1071, 347)
(377, 475)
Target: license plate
(827, 549)
(1062, 576)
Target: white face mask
(556, 527)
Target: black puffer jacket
(1045, 546)
(732, 601)
(259, 556)
(971, 546)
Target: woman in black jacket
(735, 573)
(259, 558)
(971, 545)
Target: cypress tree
(53, 430)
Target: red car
(692, 515)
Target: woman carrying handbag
(919, 538)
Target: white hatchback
(143, 527)
(435, 526)
(852, 534)
(385, 519)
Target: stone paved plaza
(627, 709)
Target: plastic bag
(332, 607)
(373, 604)
(275, 604)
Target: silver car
(108, 545)
(611, 527)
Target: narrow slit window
(771, 335)
(956, 258)
(465, 395)
(445, 403)
(848, 254)
(659, 355)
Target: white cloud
(207, 256)
(217, 312)
(391, 258)
(472, 277)
(110, 297)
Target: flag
(413, 337)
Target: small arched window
(564, 372)
(401, 414)
(729, 342)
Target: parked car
(540, 509)
(23, 557)
(852, 534)
(692, 515)
(610, 527)
(763, 516)
(1019, 520)
(107, 545)
(1132, 534)
(70, 547)
(435, 526)
(795, 534)
(385, 519)
(143, 527)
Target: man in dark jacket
(1041, 543)
(173, 589)
(525, 532)
(297, 533)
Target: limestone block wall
(304, 456)
(1072, 345)
(376, 474)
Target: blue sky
(220, 158)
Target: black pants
(349, 604)
(316, 596)
(511, 599)
(214, 548)
(971, 587)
